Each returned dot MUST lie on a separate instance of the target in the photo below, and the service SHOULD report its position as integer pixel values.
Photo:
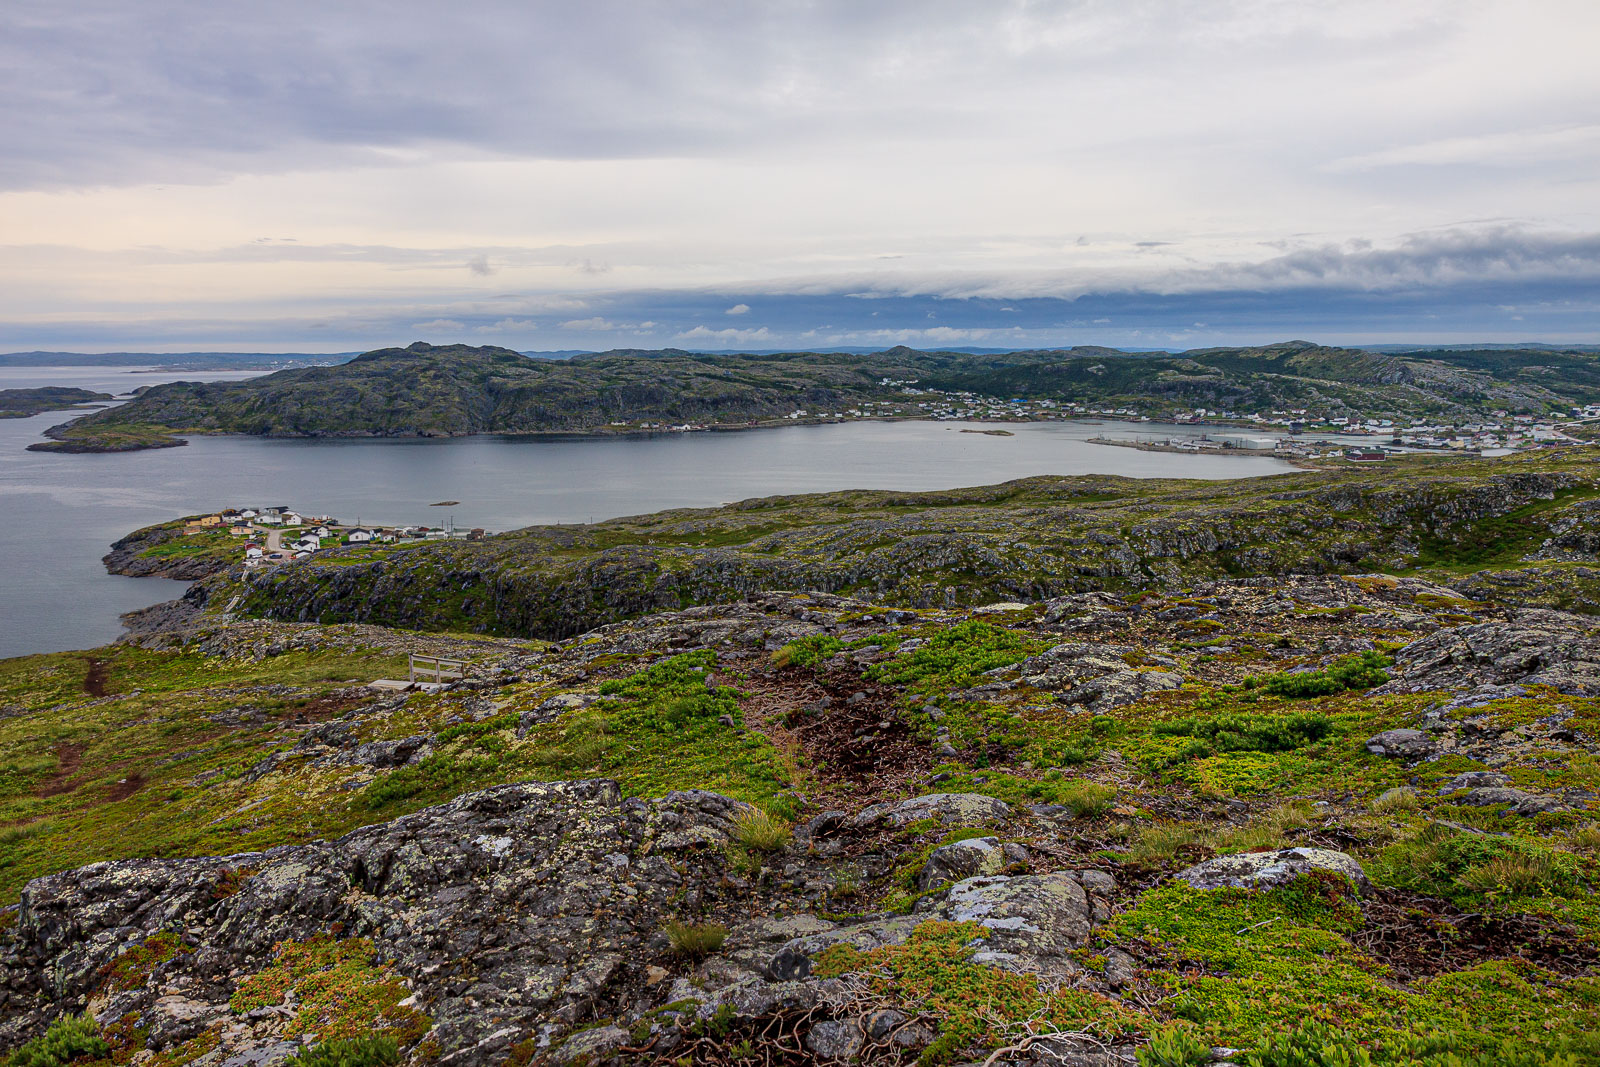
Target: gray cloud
(105, 91)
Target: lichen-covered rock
(1402, 744)
(1264, 870)
(1041, 915)
(1533, 647)
(518, 902)
(949, 809)
(962, 859)
(1124, 687)
(1512, 801)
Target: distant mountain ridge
(454, 390)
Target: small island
(132, 438)
(23, 403)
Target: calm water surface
(63, 511)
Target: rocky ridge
(766, 823)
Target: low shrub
(1175, 1046)
(70, 1039)
(349, 1052)
(1314, 1044)
(760, 831)
(1361, 671)
(1245, 732)
(695, 941)
(807, 651)
(1443, 861)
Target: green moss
(1244, 963)
(955, 657)
(337, 988)
(807, 651)
(661, 729)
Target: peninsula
(426, 390)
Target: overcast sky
(553, 175)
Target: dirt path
(69, 757)
(94, 682)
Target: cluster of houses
(281, 534)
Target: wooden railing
(436, 669)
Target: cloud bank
(554, 174)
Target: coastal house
(252, 552)
(291, 519)
(308, 544)
(239, 529)
(322, 531)
(358, 536)
(267, 519)
(211, 520)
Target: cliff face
(823, 830)
(1029, 539)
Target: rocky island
(446, 391)
(1063, 771)
(22, 403)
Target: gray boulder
(590, 1046)
(1402, 744)
(950, 809)
(962, 859)
(1512, 801)
(1041, 915)
(1265, 870)
(1533, 647)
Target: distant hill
(454, 390)
(193, 360)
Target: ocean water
(59, 513)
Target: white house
(358, 536)
(292, 519)
(270, 520)
(252, 551)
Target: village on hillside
(280, 534)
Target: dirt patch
(126, 788)
(329, 706)
(1419, 937)
(851, 730)
(94, 681)
(69, 758)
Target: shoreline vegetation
(447, 391)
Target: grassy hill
(426, 390)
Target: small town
(280, 534)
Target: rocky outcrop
(519, 902)
(1533, 647)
